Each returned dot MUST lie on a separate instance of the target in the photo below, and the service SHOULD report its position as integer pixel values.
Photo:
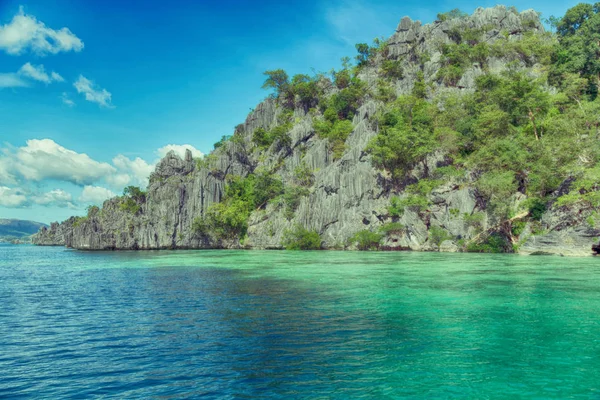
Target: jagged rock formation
(348, 194)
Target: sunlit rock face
(348, 194)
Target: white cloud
(134, 172)
(12, 198)
(56, 77)
(6, 177)
(38, 73)
(95, 194)
(11, 80)
(93, 93)
(179, 150)
(45, 159)
(66, 99)
(25, 33)
(56, 197)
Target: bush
(261, 139)
(226, 220)
(366, 240)
(391, 228)
(303, 175)
(413, 202)
(438, 234)
(336, 133)
(494, 243)
(300, 238)
(292, 197)
(221, 142)
(392, 69)
(129, 205)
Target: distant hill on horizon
(16, 228)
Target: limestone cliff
(347, 193)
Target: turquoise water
(233, 324)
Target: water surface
(234, 324)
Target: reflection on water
(234, 324)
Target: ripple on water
(234, 324)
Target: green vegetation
(452, 14)
(405, 137)
(437, 235)
(132, 200)
(530, 132)
(366, 240)
(391, 228)
(494, 243)
(300, 238)
(228, 220)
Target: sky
(93, 93)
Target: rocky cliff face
(348, 194)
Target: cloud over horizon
(45, 162)
(179, 150)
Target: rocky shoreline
(347, 193)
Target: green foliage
(494, 243)
(306, 89)
(585, 190)
(474, 220)
(222, 141)
(278, 135)
(260, 138)
(497, 188)
(405, 137)
(452, 14)
(536, 208)
(518, 227)
(303, 175)
(533, 47)
(336, 132)
(200, 226)
(205, 161)
(132, 199)
(300, 238)
(292, 197)
(78, 221)
(255, 190)
(346, 101)
(364, 53)
(129, 205)
(437, 235)
(391, 228)
(303, 88)
(579, 39)
(226, 220)
(392, 69)
(366, 240)
(420, 88)
(278, 80)
(413, 202)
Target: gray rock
(448, 246)
(348, 194)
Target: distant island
(18, 231)
(475, 133)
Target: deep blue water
(234, 324)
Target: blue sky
(123, 79)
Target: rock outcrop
(347, 194)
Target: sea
(220, 324)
